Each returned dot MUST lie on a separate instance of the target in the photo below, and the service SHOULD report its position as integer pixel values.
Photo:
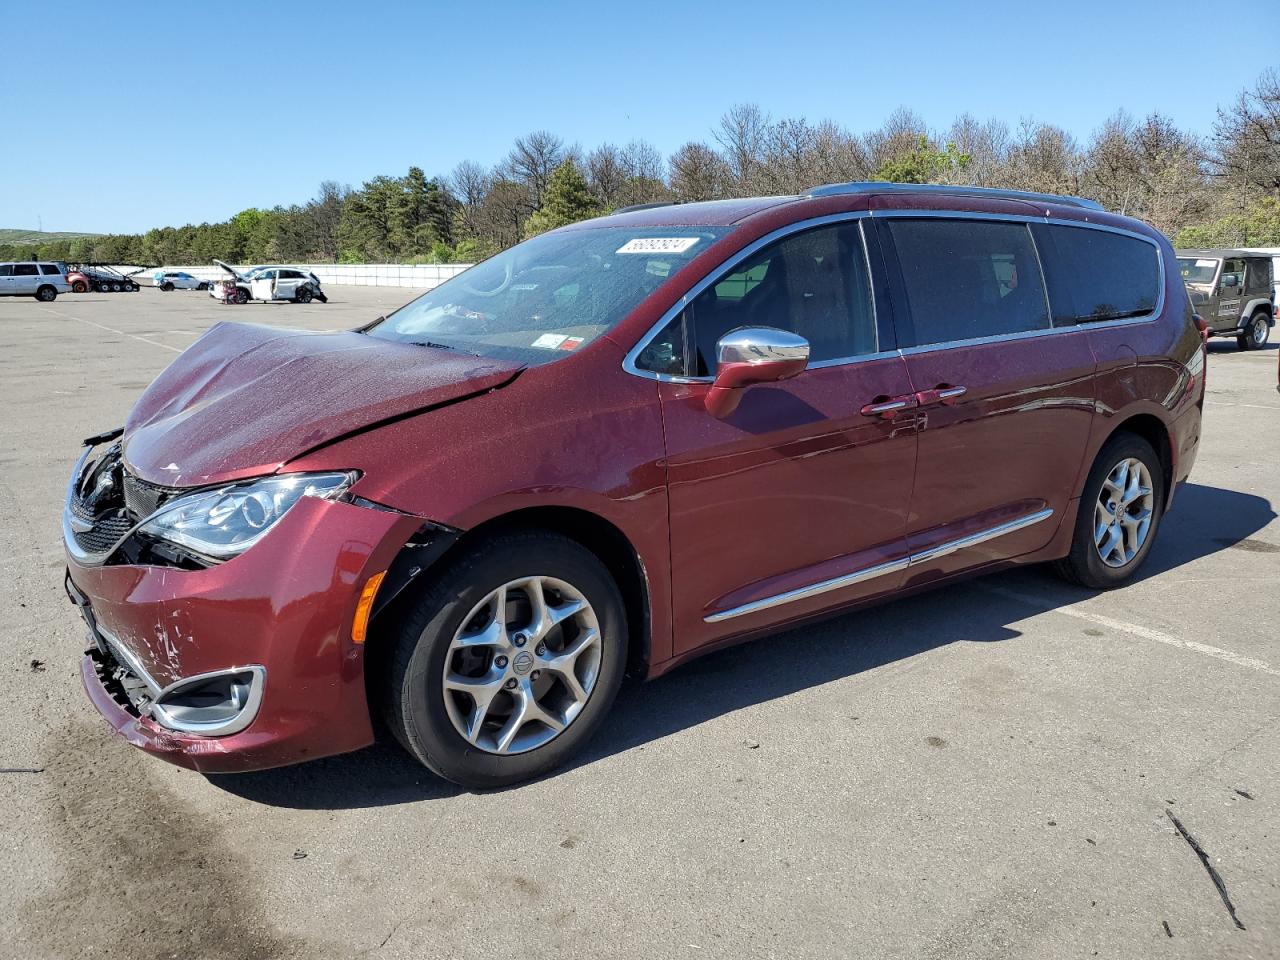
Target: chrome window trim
(881, 569)
(718, 271)
(629, 362)
(1048, 221)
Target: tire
(303, 295)
(46, 294)
(420, 645)
(116, 288)
(1259, 331)
(1085, 564)
(242, 295)
(131, 287)
(79, 287)
(167, 286)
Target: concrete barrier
(423, 276)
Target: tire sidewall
(1259, 322)
(1118, 448)
(423, 717)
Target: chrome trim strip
(880, 570)
(803, 593)
(629, 361)
(157, 712)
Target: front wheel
(1119, 513)
(242, 295)
(167, 286)
(79, 287)
(508, 662)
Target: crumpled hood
(245, 399)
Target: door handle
(891, 407)
(939, 394)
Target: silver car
(44, 281)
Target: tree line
(1219, 190)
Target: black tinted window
(49, 268)
(24, 270)
(969, 278)
(6, 269)
(813, 283)
(1098, 275)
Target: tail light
(1201, 326)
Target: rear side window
(969, 278)
(1097, 275)
(814, 283)
(50, 269)
(24, 270)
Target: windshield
(547, 296)
(1197, 269)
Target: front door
(1228, 296)
(1006, 400)
(796, 501)
(263, 285)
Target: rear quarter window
(1096, 275)
(50, 269)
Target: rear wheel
(79, 287)
(115, 288)
(1258, 332)
(509, 661)
(1119, 513)
(46, 294)
(303, 295)
(131, 287)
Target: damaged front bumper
(245, 664)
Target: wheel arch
(1153, 430)
(602, 537)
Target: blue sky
(160, 114)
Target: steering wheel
(509, 269)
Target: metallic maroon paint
(828, 490)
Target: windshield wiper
(442, 346)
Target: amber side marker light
(360, 625)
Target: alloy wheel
(1261, 330)
(522, 666)
(1122, 516)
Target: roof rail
(837, 189)
(646, 206)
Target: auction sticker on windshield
(658, 245)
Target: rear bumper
(282, 610)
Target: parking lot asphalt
(990, 770)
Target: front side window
(967, 279)
(550, 295)
(24, 270)
(1232, 275)
(1097, 275)
(813, 283)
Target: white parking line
(100, 326)
(1255, 406)
(1073, 610)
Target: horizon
(243, 135)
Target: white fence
(421, 275)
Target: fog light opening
(211, 704)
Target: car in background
(617, 446)
(44, 281)
(1233, 291)
(267, 283)
(177, 280)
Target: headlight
(223, 523)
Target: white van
(44, 281)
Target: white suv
(44, 281)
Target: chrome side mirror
(751, 355)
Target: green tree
(567, 199)
(1259, 226)
(924, 163)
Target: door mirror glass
(752, 355)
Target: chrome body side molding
(881, 569)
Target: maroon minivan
(615, 447)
